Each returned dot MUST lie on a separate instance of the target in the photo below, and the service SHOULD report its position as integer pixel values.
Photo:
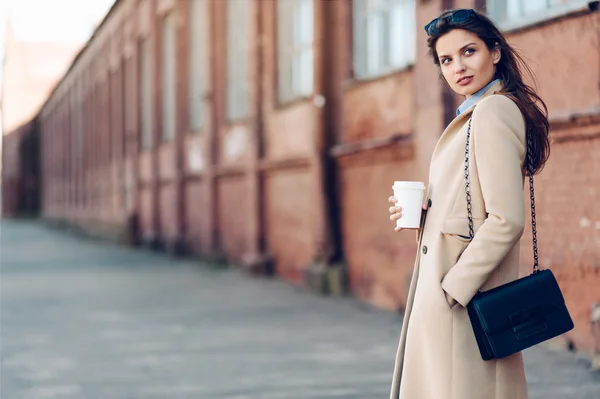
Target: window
(197, 57)
(81, 138)
(295, 48)
(169, 80)
(146, 93)
(384, 36)
(509, 14)
(238, 17)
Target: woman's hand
(396, 211)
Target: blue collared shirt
(473, 98)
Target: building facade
(29, 72)
(36, 49)
(269, 133)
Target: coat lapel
(460, 119)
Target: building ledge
(346, 149)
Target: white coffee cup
(410, 198)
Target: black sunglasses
(455, 17)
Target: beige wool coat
(437, 356)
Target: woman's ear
(496, 54)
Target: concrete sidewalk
(82, 319)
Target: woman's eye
(469, 51)
(444, 60)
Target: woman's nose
(458, 67)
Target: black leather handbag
(524, 312)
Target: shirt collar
(474, 97)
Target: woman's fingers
(396, 216)
(395, 212)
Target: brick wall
(20, 171)
(307, 181)
(568, 221)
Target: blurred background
(265, 135)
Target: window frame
(197, 63)
(361, 23)
(146, 94)
(169, 77)
(295, 56)
(527, 20)
(237, 101)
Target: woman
(438, 357)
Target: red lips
(465, 80)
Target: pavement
(87, 319)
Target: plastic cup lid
(414, 185)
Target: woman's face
(466, 62)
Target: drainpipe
(179, 246)
(594, 6)
(215, 29)
(257, 260)
(332, 86)
(327, 273)
(595, 329)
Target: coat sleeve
(498, 137)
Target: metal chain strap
(468, 183)
(536, 267)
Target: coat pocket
(458, 227)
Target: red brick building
(20, 171)
(31, 69)
(272, 130)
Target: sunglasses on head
(455, 17)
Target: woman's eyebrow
(461, 49)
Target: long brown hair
(509, 70)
